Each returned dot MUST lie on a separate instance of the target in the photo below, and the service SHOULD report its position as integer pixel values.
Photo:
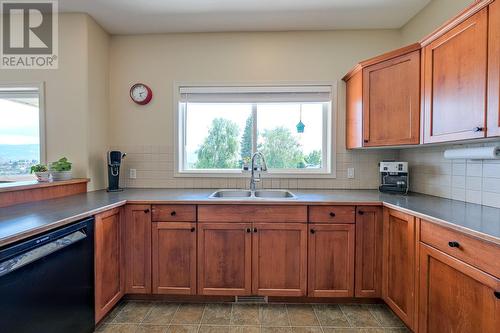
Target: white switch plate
(350, 173)
(133, 173)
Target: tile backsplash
(155, 168)
(474, 181)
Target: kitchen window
(219, 128)
(21, 131)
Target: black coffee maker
(114, 161)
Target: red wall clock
(141, 94)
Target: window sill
(246, 175)
(33, 184)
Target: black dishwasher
(47, 282)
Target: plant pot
(61, 175)
(43, 176)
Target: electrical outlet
(350, 173)
(133, 173)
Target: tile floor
(156, 317)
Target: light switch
(350, 173)
(133, 173)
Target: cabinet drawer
(481, 254)
(331, 214)
(174, 213)
(252, 213)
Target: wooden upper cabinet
(494, 70)
(138, 249)
(225, 259)
(174, 258)
(109, 277)
(456, 297)
(391, 102)
(279, 259)
(368, 281)
(383, 100)
(398, 264)
(331, 260)
(454, 80)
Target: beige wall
(98, 103)
(430, 18)
(72, 103)
(146, 132)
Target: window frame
(328, 143)
(41, 117)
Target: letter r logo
(27, 27)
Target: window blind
(255, 94)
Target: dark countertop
(25, 220)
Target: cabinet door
(398, 264)
(138, 249)
(224, 258)
(455, 75)
(494, 71)
(279, 259)
(354, 111)
(331, 260)
(391, 101)
(456, 297)
(109, 278)
(368, 252)
(174, 258)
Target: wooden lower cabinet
(174, 258)
(331, 260)
(279, 259)
(138, 249)
(399, 264)
(456, 297)
(225, 259)
(108, 270)
(368, 282)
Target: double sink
(253, 195)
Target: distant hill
(19, 152)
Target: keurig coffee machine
(114, 161)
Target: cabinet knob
(479, 129)
(193, 229)
(454, 244)
(146, 210)
(332, 214)
(254, 229)
(365, 141)
(249, 230)
(360, 212)
(497, 294)
(173, 213)
(313, 231)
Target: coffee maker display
(114, 161)
(394, 177)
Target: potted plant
(61, 169)
(41, 172)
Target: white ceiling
(157, 16)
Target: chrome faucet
(263, 167)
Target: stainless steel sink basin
(231, 194)
(253, 195)
(274, 194)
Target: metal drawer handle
(332, 214)
(173, 213)
(249, 230)
(254, 229)
(454, 244)
(146, 210)
(360, 212)
(313, 231)
(193, 229)
(497, 294)
(479, 129)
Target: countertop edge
(59, 223)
